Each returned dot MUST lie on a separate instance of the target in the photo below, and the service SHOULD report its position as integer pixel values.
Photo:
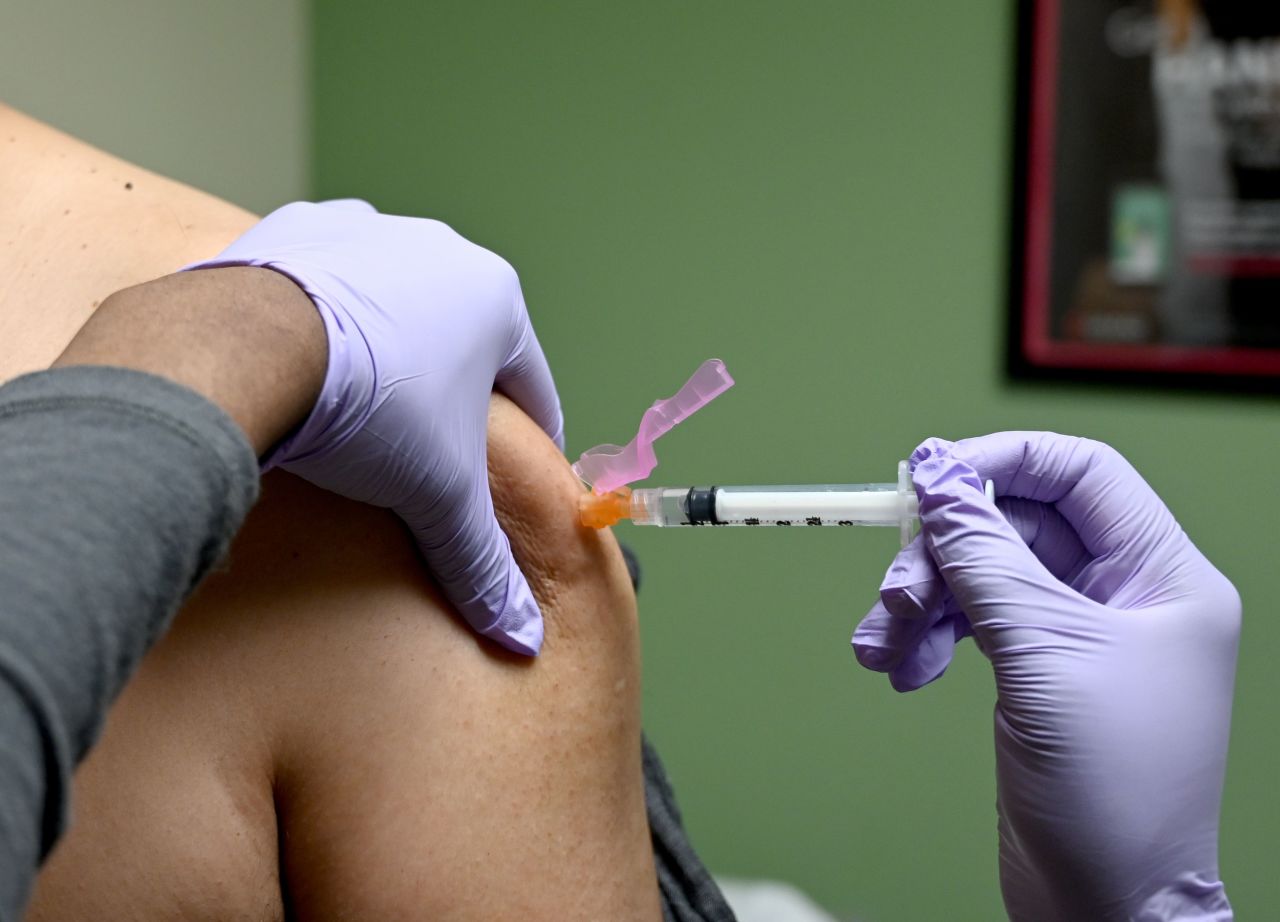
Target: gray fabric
(118, 491)
(633, 565)
(689, 894)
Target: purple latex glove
(1113, 642)
(422, 325)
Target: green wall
(816, 193)
(213, 94)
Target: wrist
(247, 339)
(346, 398)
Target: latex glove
(1113, 642)
(422, 325)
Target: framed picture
(1145, 239)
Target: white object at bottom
(770, 901)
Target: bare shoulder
(77, 224)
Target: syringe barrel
(661, 506)
(810, 505)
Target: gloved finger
(907, 647)
(496, 599)
(349, 204)
(912, 587)
(881, 641)
(1116, 515)
(932, 653)
(913, 630)
(979, 554)
(1049, 536)
(909, 603)
(525, 377)
(470, 557)
(516, 622)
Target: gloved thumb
(515, 622)
(471, 558)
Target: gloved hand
(1114, 646)
(422, 325)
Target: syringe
(884, 504)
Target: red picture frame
(1145, 240)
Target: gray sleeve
(118, 491)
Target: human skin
(318, 735)
(247, 339)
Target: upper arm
(316, 707)
(451, 779)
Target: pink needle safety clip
(605, 468)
